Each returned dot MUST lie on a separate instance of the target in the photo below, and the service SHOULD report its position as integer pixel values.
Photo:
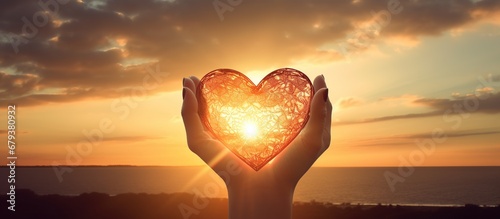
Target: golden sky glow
(108, 74)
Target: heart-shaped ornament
(255, 122)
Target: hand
(267, 193)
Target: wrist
(267, 199)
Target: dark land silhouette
(146, 206)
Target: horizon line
(129, 165)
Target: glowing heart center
(249, 130)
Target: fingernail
(325, 95)
(183, 92)
(323, 76)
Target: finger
(188, 83)
(327, 127)
(319, 82)
(189, 112)
(313, 131)
(195, 80)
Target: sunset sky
(396, 73)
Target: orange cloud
(410, 138)
(489, 103)
(347, 102)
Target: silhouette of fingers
(328, 127)
(317, 132)
(195, 80)
(312, 133)
(192, 123)
(319, 82)
(190, 84)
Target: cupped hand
(287, 167)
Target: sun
(250, 130)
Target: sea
(422, 186)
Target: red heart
(255, 122)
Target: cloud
(403, 98)
(455, 134)
(130, 138)
(387, 118)
(410, 138)
(99, 48)
(16, 85)
(347, 102)
(484, 103)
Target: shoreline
(163, 205)
(430, 205)
(295, 201)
